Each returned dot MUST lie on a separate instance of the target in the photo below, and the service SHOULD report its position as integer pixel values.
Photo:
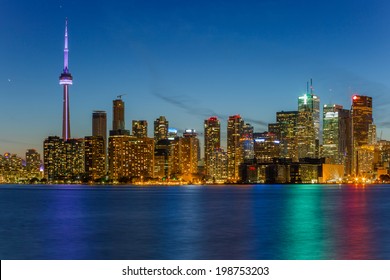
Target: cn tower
(66, 80)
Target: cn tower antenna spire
(66, 50)
(66, 80)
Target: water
(195, 222)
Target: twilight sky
(186, 60)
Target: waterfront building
(212, 141)
(365, 161)
(130, 158)
(162, 159)
(11, 169)
(189, 146)
(234, 132)
(95, 157)
(33, 164)
(63, 160)
(218, 166)
(266, 147)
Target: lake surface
(195, 222)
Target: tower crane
(120, 95)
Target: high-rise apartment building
(189, 154)
(33, 162)
(160, 129)
(63, 160)
(218, 166)
(95, 157)
(234, 151)
(212, 140)
(130, 158)
(140, 128)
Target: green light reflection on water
(303, 229)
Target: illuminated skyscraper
(33, 163)
(234, 151)
(189, 154)
(218, 166)
(246, 142)
(212, 140)
(337, 142)
(287, 126)
(53, 149)
(130, 158)
(361, 121)
(162, 159)
(140, 128)
(160, 129)
(63, 160)
(66, 80)
(95, 157)
(267, 147)
(308, 124)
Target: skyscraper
(66, 80)
(130, 158)
(63, 160)
(234, 151)
(140, 128)
(287, 126)
(95, 157)
(308, 124)
(337, 143)
(189, 154)
(246, 142)
(99, 125)
(361, 121)
(212, 140)
(118, 120)
(160, 129)
(33, 162)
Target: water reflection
(229, 222)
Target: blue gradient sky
(186, 60)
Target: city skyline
(190, 80)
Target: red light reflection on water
(356, 236)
